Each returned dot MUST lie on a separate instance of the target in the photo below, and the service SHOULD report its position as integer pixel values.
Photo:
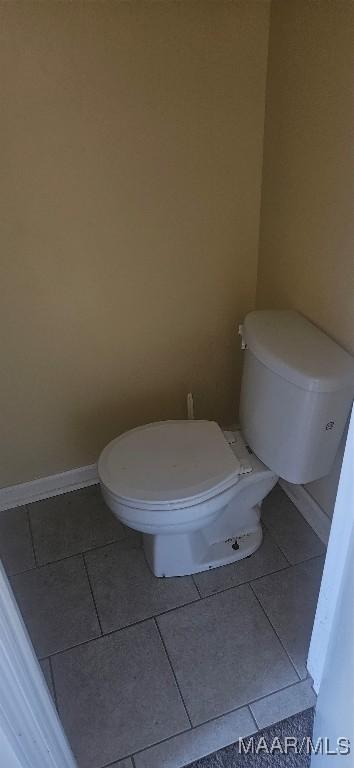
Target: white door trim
(338, 554)
(30, 730)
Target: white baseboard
(73, 479)
(45, 487)
(308, 508)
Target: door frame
(336, 564)
(31, 734)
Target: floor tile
(117, 695)
(126, 591)
(289, 599)
(57, 606)
(45, 666)
(16, 551)
(288, 528)
(278, 706)
(122, 764)
(72, 523)
(268, 558)
(224, 653)
(198, 742)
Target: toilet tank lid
(291, 346)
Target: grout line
(53, 683)
(19, 573)
(131, 756)
(92, 595)
(188, 730)
(196, 586)
(31, 537)
(202, 597)
(218, 717)
(173, 672)
(278, 690)
(195, 601)
(181, 733)
(243, 583)
(274, 630)
(270, 533)
(205, 722)
(127, 536)
(76, 554)
(253, 717)
(285, 568)
(118, 761)
(271, 573)
(194, 728)
(151, 617)
(115, 631)
(284, 554)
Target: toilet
(195, 490)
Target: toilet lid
(168, 462)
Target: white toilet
(195, 490)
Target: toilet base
(186, 553)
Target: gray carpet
(299, 726)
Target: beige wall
(131, 138)
(306, 258)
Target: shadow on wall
(111, 417)
(96, 427)
(123, 400)
(113, 393)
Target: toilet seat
(169, 465)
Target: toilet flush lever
(240, 333)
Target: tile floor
(156, 673)
(299, 726)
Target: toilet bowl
(193, 490)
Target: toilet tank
(296, 395)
